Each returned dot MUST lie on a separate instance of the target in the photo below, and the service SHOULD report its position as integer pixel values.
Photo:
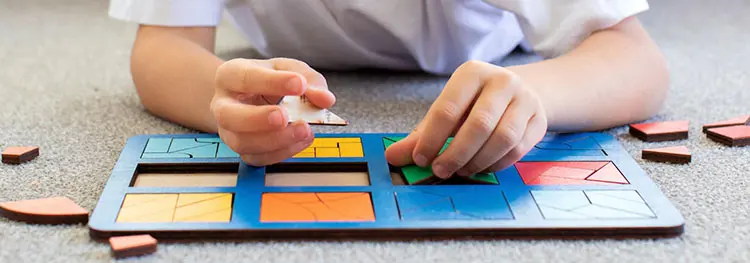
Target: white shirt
(435, 36)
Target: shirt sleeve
(168, 12)
(555, 27)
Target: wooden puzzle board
(194, 187)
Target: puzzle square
(316, 207)
(159, 148)
(570, 173)
(591, 204)
(424, 205)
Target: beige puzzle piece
(299, 108)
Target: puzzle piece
(424, 205)
(147, 208)
(54, 210)
(132, 246)
(731, 135)
(299, 108)
(569, 142)
(344, 147)
(19, 154)
(208, 207)
(660, 131)
(316, 207)
(591, 204)
(570, 173)
(741, 120)
(676, 154)
(414, 174)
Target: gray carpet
(64, 85)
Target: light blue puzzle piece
(226, 152)
(424, 206)
(193, 148)
(620, 201)
(563, 200)
(482, 205)
(554, 213)
(208, 140)
(158, 145)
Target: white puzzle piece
(299, 108)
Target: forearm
(614, 77)
(174, 78)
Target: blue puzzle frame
(518, 215)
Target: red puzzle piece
(559, 173)
(660, 131)
(732, 135)
(742, 120)
(675, 154)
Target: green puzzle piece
(423, 175)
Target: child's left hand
(494, 118)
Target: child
(601, 70)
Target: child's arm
(179, 79)
(173, 71)
(615, 76)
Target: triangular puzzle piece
(299, 108)
(608, 174)
(675, 154)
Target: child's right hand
(248, 119)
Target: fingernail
(300, 132)
(440, 171)
(293, 84)
(274, 118)
(420, 160)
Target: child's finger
(480, 124)
(400, 153)
(537, 127)
(239, 117)
(317, 91)
(507, 137)
(253, 77)
(278, 155)
(264, 142)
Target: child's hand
(248, 119)
(496, 120)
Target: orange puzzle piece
(53, 210)
(19, 154)
(131, 246)
(316, 207)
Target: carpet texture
(65, 87)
